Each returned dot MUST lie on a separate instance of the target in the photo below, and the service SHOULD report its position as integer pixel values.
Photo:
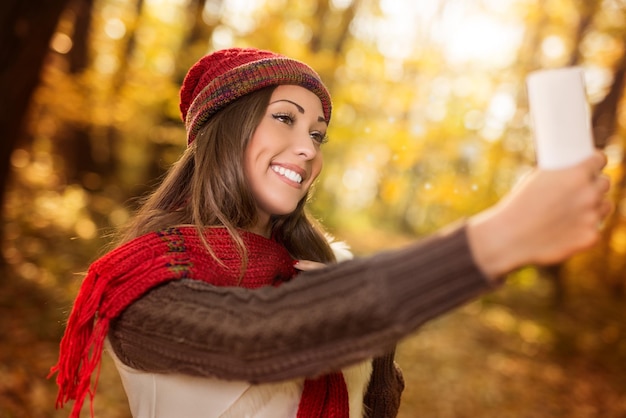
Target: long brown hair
(206, 187)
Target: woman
(197, 303)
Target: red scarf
(122, 276)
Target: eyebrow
(300, 108)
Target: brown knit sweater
(322, 321)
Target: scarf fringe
(81, 348)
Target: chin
(283, 207)
(284, 212)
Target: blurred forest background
(430, 125)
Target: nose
(305, 146)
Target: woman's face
(283, 157)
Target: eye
(319, 137)
(286, 118)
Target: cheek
(318, 163)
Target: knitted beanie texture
(223, 76)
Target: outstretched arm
(321, 321)
(550, 216)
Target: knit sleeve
(321, 321)
(382, 399)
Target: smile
(290, 174)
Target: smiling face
(283, 156)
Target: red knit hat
(223, 76)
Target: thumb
(307, 265)
(596, 162)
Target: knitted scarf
(123, 275)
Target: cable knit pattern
(119, 278)
(326, 320)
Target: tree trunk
(79, 55)
(317, 40)
(25, 31)
(604, 118)
(587, 12)
(346, 21)
(605, 123)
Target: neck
(262, 227)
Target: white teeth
(290, 174)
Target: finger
(307, 265)
(600, 159)
(603, 183)
(606, 207)
(595, 164)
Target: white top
(155, 395)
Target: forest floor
(510, 354)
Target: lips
(289, 173)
